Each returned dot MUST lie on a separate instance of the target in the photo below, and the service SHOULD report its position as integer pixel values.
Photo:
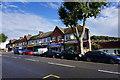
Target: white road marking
(32, 60)
(61, 64)
(14, 57)
(6, 56)
(19, 57)
(109, 71)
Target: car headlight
(80, 55)
(58, 54)
(118, 58)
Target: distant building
(110, 47)
(3, 45)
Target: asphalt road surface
(27, 66)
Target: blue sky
(19, 19)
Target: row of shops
(59, 39)
(54, 46)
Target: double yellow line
(0, 55)
(50, 76)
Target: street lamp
(49, 44)
(63, 44)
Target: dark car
(51, 53)
(18, 51)
(70, 54)
(101, 56)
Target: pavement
(28, 66)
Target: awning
(30, 46)
(56, 45)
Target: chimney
(29, 35)
(14, 39)
(40, 32)
(21, 37)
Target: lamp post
(63, 44)
(49, 44)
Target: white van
(40, 51)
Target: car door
(99, 56)
(71, 54)
(65, 54)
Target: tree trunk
(82, 36)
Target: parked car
(101, 56)
(28, 52)
(70, 54)
(40, 51)
(18, 51)
(52, 53)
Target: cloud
(18, 24)
(56, 20)
(105, 25)
(8, 5)
(54, 5)
(13, 6)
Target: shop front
(56, 46)
(30, 47)
(74, 46)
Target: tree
(71, 13)
(95, 46)
(3, 37)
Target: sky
(23, 18)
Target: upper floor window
(59, 38)
(53, 39)
(69, 37)
(44, 40)
(85, 35)
(48, 39)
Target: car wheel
(62, 57)
(53, 56)
(88, 59)
(76, 58)
(112, 61)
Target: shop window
(115, 51)
(118, 51)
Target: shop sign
(24, 45)
(30, 46)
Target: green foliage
(71, 12)
(103, 38)
(95, 46)
(3, 37)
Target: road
(27, 66)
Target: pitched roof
(46, 34)
(39, 36)
(110, 44)
(18, 41)
(34, 37)
(69, 30)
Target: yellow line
(0, 55)
(50, 76)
